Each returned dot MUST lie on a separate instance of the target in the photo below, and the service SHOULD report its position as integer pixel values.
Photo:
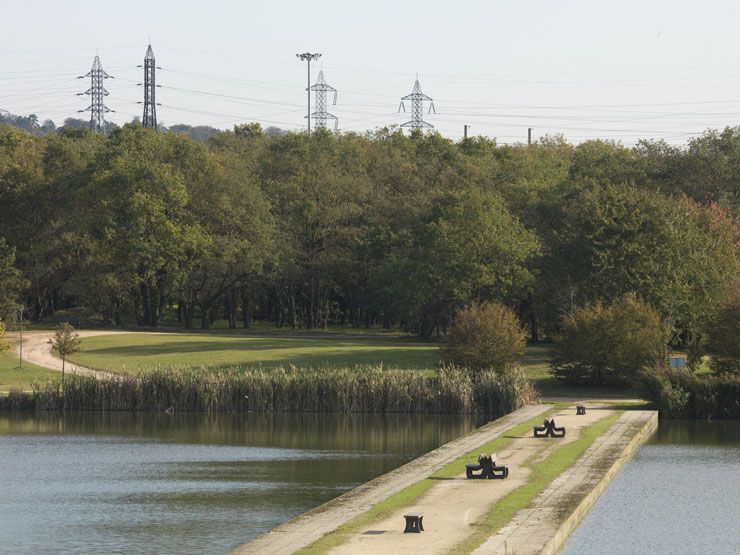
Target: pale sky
(623, 70)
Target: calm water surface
(680, 494)
(95, 483)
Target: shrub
(681, 394)
(4, 345)
(724, 338)
(602, 345)
(487, 335)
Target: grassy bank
(359, 389)
(13, 376)
(137, 353)
(140, 352)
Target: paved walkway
(36, 350)
(545, 527)
(312, 525)
(454, 508)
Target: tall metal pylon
(97, 93)
(321, 115)
(417, 99)
(150, 103)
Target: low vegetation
(359, 389)
(486, 335)
(21, 378)
(609, 345)
(678, 393)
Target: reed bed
(373, 389)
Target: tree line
(375, 229)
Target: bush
(610, 345)
(681, 394)
(484, 336)
(724, 338)
(4, 345)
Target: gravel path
(36, 350)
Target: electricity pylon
(150, 103)
(417, 99)
(97, 94)
(321, 115)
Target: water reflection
(190, 483)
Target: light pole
(307, 57)
(21, 310)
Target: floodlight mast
(308, 57)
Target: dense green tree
(609, 345)
(614, 240)
(11, 282)
(466, 248)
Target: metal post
(308, 56)
(465, 132)
(529, 136)
(20, 348)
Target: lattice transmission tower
(150, 85)
(97, 93)
(320, 116)
(417, 99)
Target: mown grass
(542, 474)
(140, 352)
(408, 496)
(12, 376)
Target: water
(94, 483)
(680, 494)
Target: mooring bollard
(414, 523)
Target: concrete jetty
(455, 508)
(309, 527)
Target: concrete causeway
(545, 527)
(310, 526)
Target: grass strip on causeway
(543, 473)
(412, 493)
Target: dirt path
(452, 507)
(36, 350)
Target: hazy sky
(622, 70)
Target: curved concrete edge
(308, 527)
(544, 527)
(560, 538)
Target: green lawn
(13, 377)
(132, 353)
(137, 352)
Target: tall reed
(374, 389)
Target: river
(153, 483)
(679, 494)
